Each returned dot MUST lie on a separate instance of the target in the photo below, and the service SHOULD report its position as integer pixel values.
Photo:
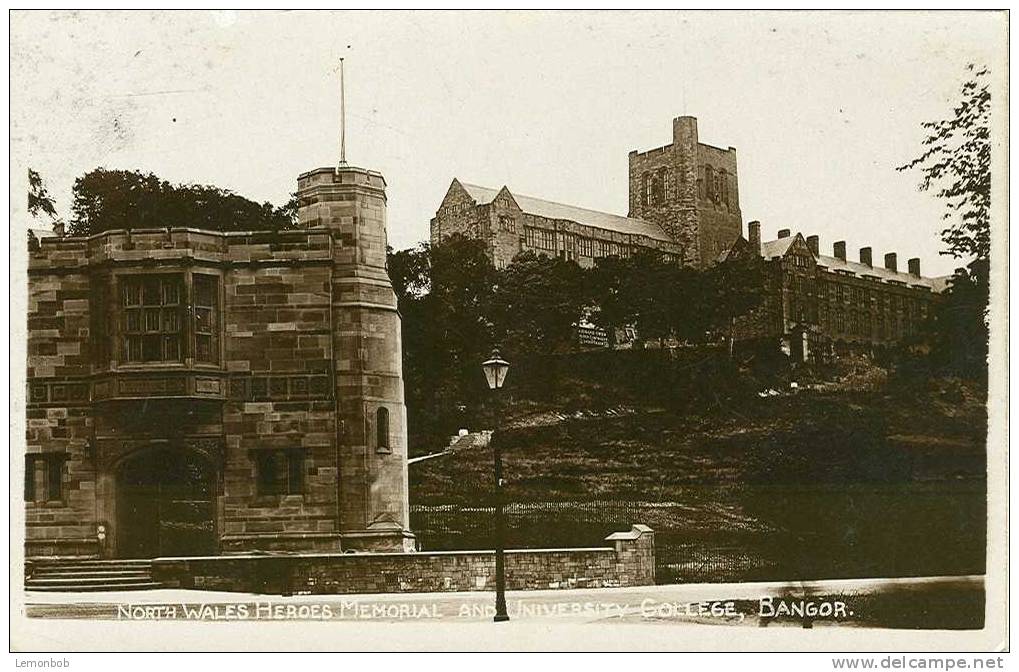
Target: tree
(609, 293)
(460, 286)
(409, 271)
(689, 303)
(119, 199)
(957, 162)
(444, 293)
(462, 275)
(660, 298)
(39, 199)
(733, 288)
(665, 299)
(956, 329)
(537, 303)
(648, 286)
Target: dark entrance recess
(165, 505)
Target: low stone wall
(630, 561)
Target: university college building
(192, 392)
(684, 204)
(823, 306)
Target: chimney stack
(914, 266)
(839, 249)
(891, 261)
(58, 227)
(754, 236)
(866, 257)
(814, 243)
(783, 233)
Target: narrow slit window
(295, 472)
(268, 473)
(55, 478)
(30, 478)
(382, 429)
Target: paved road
(748, 604)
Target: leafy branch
(956, 163)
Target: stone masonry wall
(278, 351)
(720, 221)
(272, 386)
(629, 562)
(567, 238)
(367, 361)
(458, 213)
(676, 216)
(59, 421)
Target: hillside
(808, 437)
(886, 481)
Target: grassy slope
(810, 485)
(649, 453)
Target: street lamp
(495, 369)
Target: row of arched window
(716, 185)
(657, 186)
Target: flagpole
(343, 120)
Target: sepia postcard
(509, 331)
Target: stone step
(93, 588)
(109, 573)
(83, 574)
(86, 580)
(92, 568)
(86, 562)
(96, 566)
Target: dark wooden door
(165, 506)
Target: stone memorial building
(193, 392)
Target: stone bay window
(162, 318)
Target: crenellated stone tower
(371, 417)
(690, 190)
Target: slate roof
(936, 284)
(778, 247)
(553, 210)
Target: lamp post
(495, 369)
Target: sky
(820, 107)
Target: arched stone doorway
(165, 504)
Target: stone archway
(165, 504)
